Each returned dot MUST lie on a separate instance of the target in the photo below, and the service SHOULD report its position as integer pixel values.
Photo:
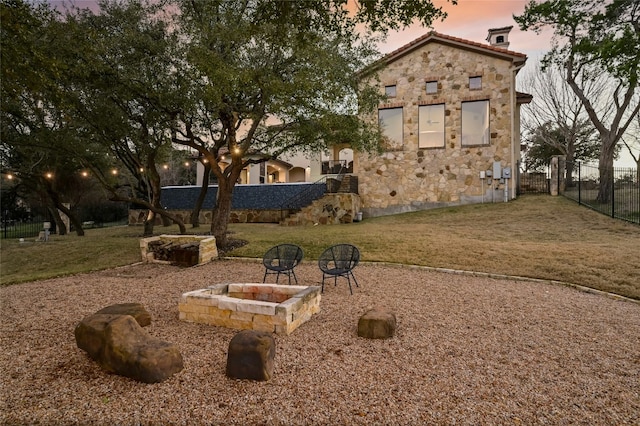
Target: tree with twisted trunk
(592, 38)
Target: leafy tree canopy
(234, 78)
(603, 34)
(550, 139)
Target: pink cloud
(471, 20)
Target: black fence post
(579, 184)
(613, 192)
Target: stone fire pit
(263, 307)
(184, 250)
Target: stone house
(451, 123)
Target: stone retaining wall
(137, 217)
(331, 209)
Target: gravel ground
(468, 350)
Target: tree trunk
(58, 206)
(72, 218)
(165, 220)
(149, 222)
(156, 194)
(222, 211)
(568, 164)
(569, 174)
(204, 187)
(60, 226)
(605, 166)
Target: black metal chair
(281, 259)
(339, 261)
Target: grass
(534, 236)
(626, 202)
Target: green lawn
(534, 236)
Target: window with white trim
(391, 125)
(475, 123)
(431, 126)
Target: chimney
(499, 37)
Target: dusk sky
(471, 20)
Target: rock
(120, 345)
(251, 355)
(377, 324)
(136, 310)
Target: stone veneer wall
(136, 217)
(332, 209)
(329, 210)
(412, 178)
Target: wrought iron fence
(623, 200)
(29, 229)
(23, 229)
(533, 182)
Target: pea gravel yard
(468, 350)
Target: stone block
(136, 310)
(256, 307)
(287, 307)
(241, 316)
(251, 355)
(377, 324)
(229, 303)
(119, 345)
(217, 289)
(235, 288)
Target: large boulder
(136, 310)
(119, 345)
(377, 324)
(251, 355)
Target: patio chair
(339, 261)
(281, 259)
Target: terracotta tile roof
(501, 28)
(523, 98)
(433, 35)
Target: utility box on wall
(497, 170)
